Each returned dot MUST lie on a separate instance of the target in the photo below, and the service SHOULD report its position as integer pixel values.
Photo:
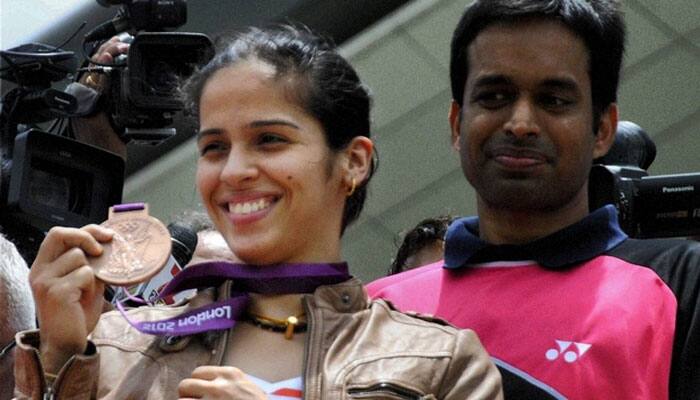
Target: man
(16, 310)
(557, 293)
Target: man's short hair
(597, 22)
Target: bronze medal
(139, 249)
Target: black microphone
(632, 147)
(184, 240)
(106, 30)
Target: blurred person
(284, 160)
(553, 289)
(16, 310)
(422, 245)
(211, 245)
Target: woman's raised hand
(68, 296)
(214, 382)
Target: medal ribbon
(263, 279)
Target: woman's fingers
(211, 372)
(214, 382)
(60, 239)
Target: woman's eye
(210, 147)
(271, 139)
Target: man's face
(525, 130)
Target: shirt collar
(597, 233)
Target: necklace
(289, 326)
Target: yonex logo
(569, 355)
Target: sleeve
(75, 381)
(471, 374)
(684, 280)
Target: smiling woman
(284, 159)
(265, 172)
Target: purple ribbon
(264, 279)
(128, 207)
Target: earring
(352, 188)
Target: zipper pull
(48, 395)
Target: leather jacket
(355, 348)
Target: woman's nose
(240, 167)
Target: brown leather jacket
(386, 355)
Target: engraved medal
(139, 249)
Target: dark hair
(325, 84)
(597, 22)
(422, 235)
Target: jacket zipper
(310, 377)
(386, 388)
(48, 394)
(225, 335)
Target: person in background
(553, 289)
(284, 160)
(211, 245)
(16, 310)
(422, 245)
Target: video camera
(142, 95)
(648, 206)
(49, 179)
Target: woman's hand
(212, 382)
(68, 296)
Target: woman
(285, 157)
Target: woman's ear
(358, 160)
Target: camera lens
(60, 188)
(49, 190)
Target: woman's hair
(323, 83)
(427, 232)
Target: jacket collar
(349, 296)
(595, 234)
(345, 297)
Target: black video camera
(47, 179)
(142, 97)
(648, 206)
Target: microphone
(153, 15)
(105, 30)
(632, 147)
(184, 242)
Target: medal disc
(139, 248)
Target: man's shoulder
(675, 261)
(662, 254)
(408, 278)
(413, 290)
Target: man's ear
(605, 136)
(454, 118)
(358, 155)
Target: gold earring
(352, 188)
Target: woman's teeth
(248, 207)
